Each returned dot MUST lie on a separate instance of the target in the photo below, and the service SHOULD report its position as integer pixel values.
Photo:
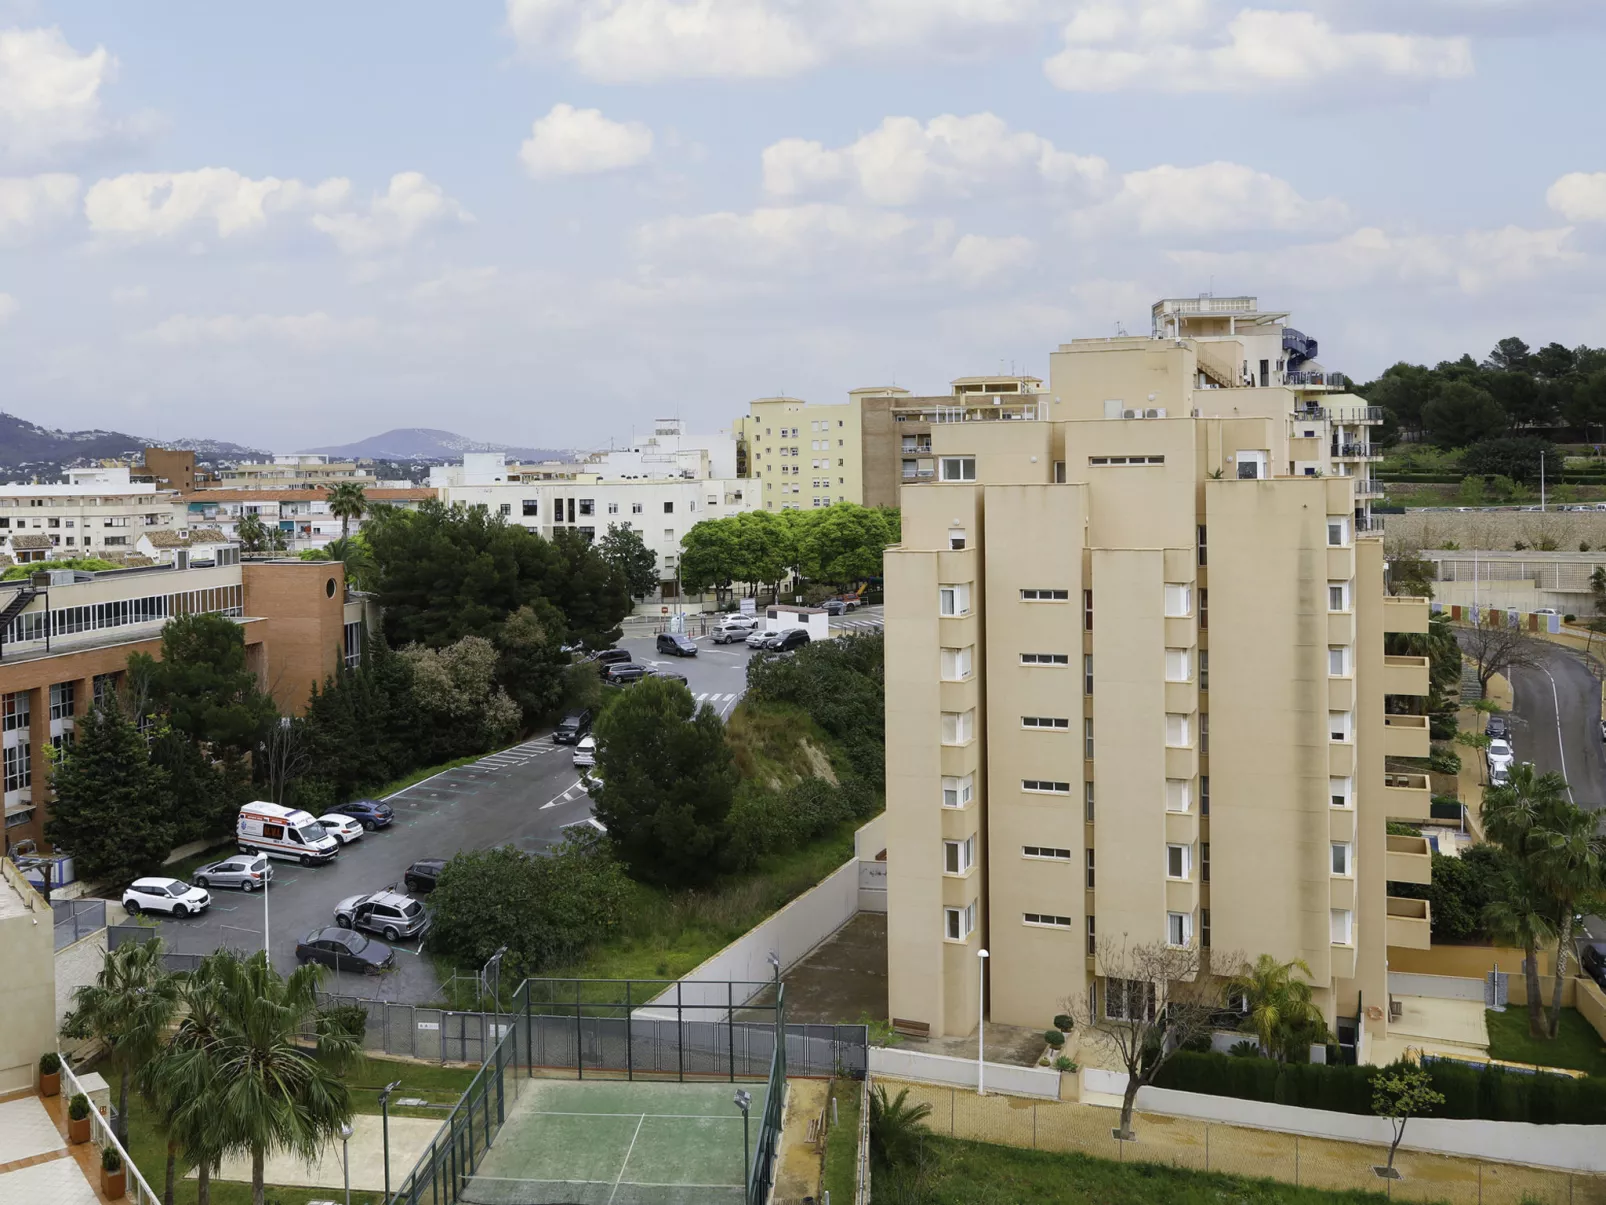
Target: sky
(548, 222)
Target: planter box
(50, 1083)
(113, 1184)
(77, 1129)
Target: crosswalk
(859, 625)
(715, 699)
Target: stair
(1471, 691)
(14, 607)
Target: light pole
(384, 1114)
(744, 1101)
(345, 1156)
(775, 964)
(981, 1022)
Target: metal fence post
(630, 1054)
(579, 1036)
(680, 1034)
(730, 1025)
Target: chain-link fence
(77, 919)
(173, 960)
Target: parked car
(572, 727)
(1592, 957)
(1499, 776)
(621, 672)
(757, 638)
(735, 627)
(676, 644)
(342, 826)
(787, 641)
(421, 876)
(1500, 753)
(1498, 726)
(344, 950)
(668, 675)
(387, 912)
(370, 813)
(171, 896)
(606, 657)
(834, 606)
(245, 871)
(585, 753)
(282, 832)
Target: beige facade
(1157, 646)
(28, 991)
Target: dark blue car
(370, 813)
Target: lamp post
(384, 1114)
(744, 1101)
(981, 1022)
(345, 1156)
(775, 965)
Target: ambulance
(282, 832)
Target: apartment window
(1178, 730)
(1204, 669)
(1087, 610)
(1087, 802)
(1126, 460)
(1092, 938)
(613, 508)
(635, 508)
(956, 663)
(1201, 545)
(1178, 600)
(957, 792)
(1087, 673)
(505, 509)
(1204, 928)
(61, 700)
(1204, 861)
(957, 468)
(958, 727)
(1044, 659)
(1178, 928)
(1045, 595)
(352, 650)
(1343, 862)
(1178, 795)
(1176, 665)
(1045, 851)
(1178, 862)
(1046, 920)
(1129, 999)
(1044, 721)
(588, 506)
(953, 601)
(1087, 873)
(669, 508)
(1204, 794)
(532, 507)
(15, 707)
(1204, 609)
(956, 536)
(1044, 786)
(958, 856)
(1340, 790)
(1338, 725)
(959, 922)
(1337, 533)
(1087, 738)
(1204, 732)
(1338, 662)
(669, 536)
(18, 767)
(1343, 925)
(1338, 596)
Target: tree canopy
(623, 549)
(202, 684)
(840, 544)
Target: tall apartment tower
(1135, 690)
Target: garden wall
(1008, 1079)
(1591, 1005)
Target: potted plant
(50, 1074)
(113, 1179)
(78, 1118)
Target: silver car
(758, 638)
(245, 871)
(387, 912)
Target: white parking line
(566, 797)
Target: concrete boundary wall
(1435, 987)
(1005, 1079)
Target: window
(1204, 861)
(532, 507)
(1337, 533)
(1201, 545)
(1044, 721)
(1087, 610)
(352, 652)
(959, 922)
(1178, 600)
(61, 700)
(1204, 794)
(1087, 803)
(1092, 938)
(956, 536)
(1178, 730)
(506, 508)
(1343, 925)
(1338, 725)
(1087, 673)
(669, 508)
(953, 601)
(588, 506)
(15, 707)
(1088, 876)
(958, 727)
(957, 468)
(1128, 999)
(1338, 596)
(1118, 460)
(1204, 669)
(1178, 928)
(1339, 790)
(1204, 732)
(613, 508)
(1178, 864)
(1044, 659)
(1343, 861)
(958, 856)
(18, 765)
(1045, 595)
(1087, 738)
(956, 663)
(1045, 851)
(1043, 919)
(669, 535)
(1176, 666)
(1043, 786)
(635, 508)
(1178, 795)
(1204, 609)
(1204, 928)
(1338, 662)
(957, 792)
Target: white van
(282, 832)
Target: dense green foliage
(841, 544)
(624, 549)
(90, 564)
(1462, 889)
(840, 684)
(202, 685)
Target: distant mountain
(25, 443)
(425, 443)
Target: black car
(1498, 726)
(785, 642)
(676, 644)
(420, 878)
(834, 606)
(668, 675)
(344, 950)
(624, 671)
(370, 813)
(607, 657)
(1593, 959)
(572, 727)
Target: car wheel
(131, 908)
(202, 881)
(305, 860)
(247, 886)
(343, 921)
(180, 910)
(367, 826)
(391, 934)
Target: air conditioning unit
(1131, 414)
(1154, 412)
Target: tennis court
(616, 1142)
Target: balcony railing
(1405, 675)
(1410, 923)
(1355, 452)
(101, 1135)
(1355, 415)
(1408, 860)
(1406, 613)
(1407, 797)
(1365, 487)
(1326, 380)
(1406, 736)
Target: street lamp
(744, 1101)
(345, 1156)
(384, 1114)
(981, 1022)
(775, 963)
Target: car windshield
(311, 833)
(178, 890)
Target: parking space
(524, 795)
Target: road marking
(565, 797)
(1561, 747)
(623, 1167)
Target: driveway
(1557, 710)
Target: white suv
(1500, 754)
(165, 895)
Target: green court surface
(614, 1142)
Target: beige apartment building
(1157, 647)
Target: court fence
(77, 919)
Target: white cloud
(797, 238)
(8, 308)
(412, 204)
(152, 205)
(454, 283)
(49, 93)
(31, 203)
(130, 295)
(1212, 198)
(577, 142)
(902, 162)
(309, 332)
(1579, 196)
(977, 257)
(1197, 46)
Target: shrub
(1445, 761)
(1442, 726)
(1065, 1065)
(78, 1107)
(110, 1160)
(1064, 1023)
(1571, 618)
(349, 1019)
(49, 1063)
(1245, 1049)
(1054, 1038)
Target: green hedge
(1469, 1092)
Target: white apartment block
(96, 512)
(301, 516)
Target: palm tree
(128, 1009)
(353, 553)
(1521, 915)
(252, 534)
(181, 1083)
(1569, 862)
(274, 1094)
(895, 1133)
(1279, 1004)
(347, 502)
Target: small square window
(957, 792)
(1178, 928)
(1178, 861)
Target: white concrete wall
(1005, 1079)
(1435, 987)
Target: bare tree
(285, 755)
(1156, 999)
(1496, 647)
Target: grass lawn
(842, 1142)
(1576, 1046)
(974, 1173)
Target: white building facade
(94, 513)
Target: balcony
(1355, 452)
(1354, 415)
(1405, 613)
(1405, 736)
(1405, 675)
(1365, 487)
(1407, 797)
(1410, 924)
(1409, 860)
(1316, 380)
